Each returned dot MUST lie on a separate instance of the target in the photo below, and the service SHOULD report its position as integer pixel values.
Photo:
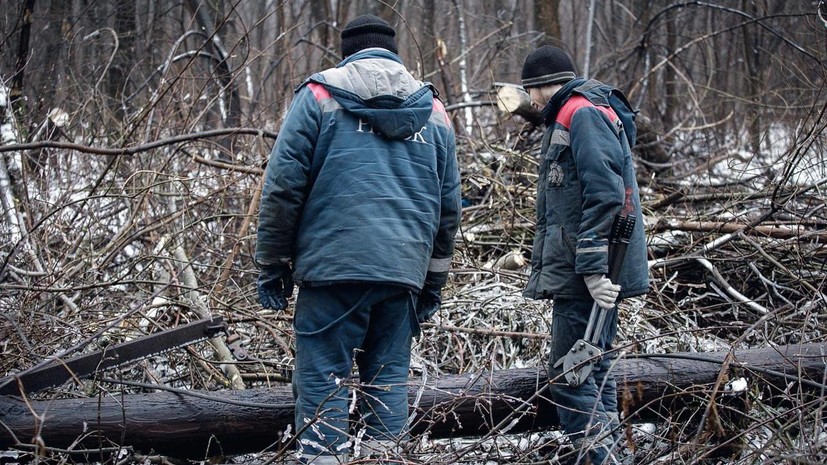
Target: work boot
(597, 451)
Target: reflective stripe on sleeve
(438, 265)
(598, 249)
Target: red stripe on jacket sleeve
(577, 102)
(320, 92)
(439, 107)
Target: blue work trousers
(336, 325)
(588, 413)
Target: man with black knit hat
(367, 31)
(587, 178)
(359, 208)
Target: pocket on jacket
(558, 253)
(558, 168)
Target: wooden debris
(199, 423)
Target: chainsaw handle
(622, 229)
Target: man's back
(373, 153)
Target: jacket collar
(373, 52)
(556, 103)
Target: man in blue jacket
(587, 177)
(360, 205)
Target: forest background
(134, 135)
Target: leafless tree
(134, 133)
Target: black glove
(427, 304)
(430, 297)
(275, 285)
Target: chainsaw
(578, 362)
(55, 372)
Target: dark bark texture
(232, 422)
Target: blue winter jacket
(586, 178)
(362, 184)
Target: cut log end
(514, 100)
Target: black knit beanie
(545, 66)
(367, 31)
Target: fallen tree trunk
(780, 231)
(198, 424)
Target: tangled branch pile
(736, 244)
(736, 248)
